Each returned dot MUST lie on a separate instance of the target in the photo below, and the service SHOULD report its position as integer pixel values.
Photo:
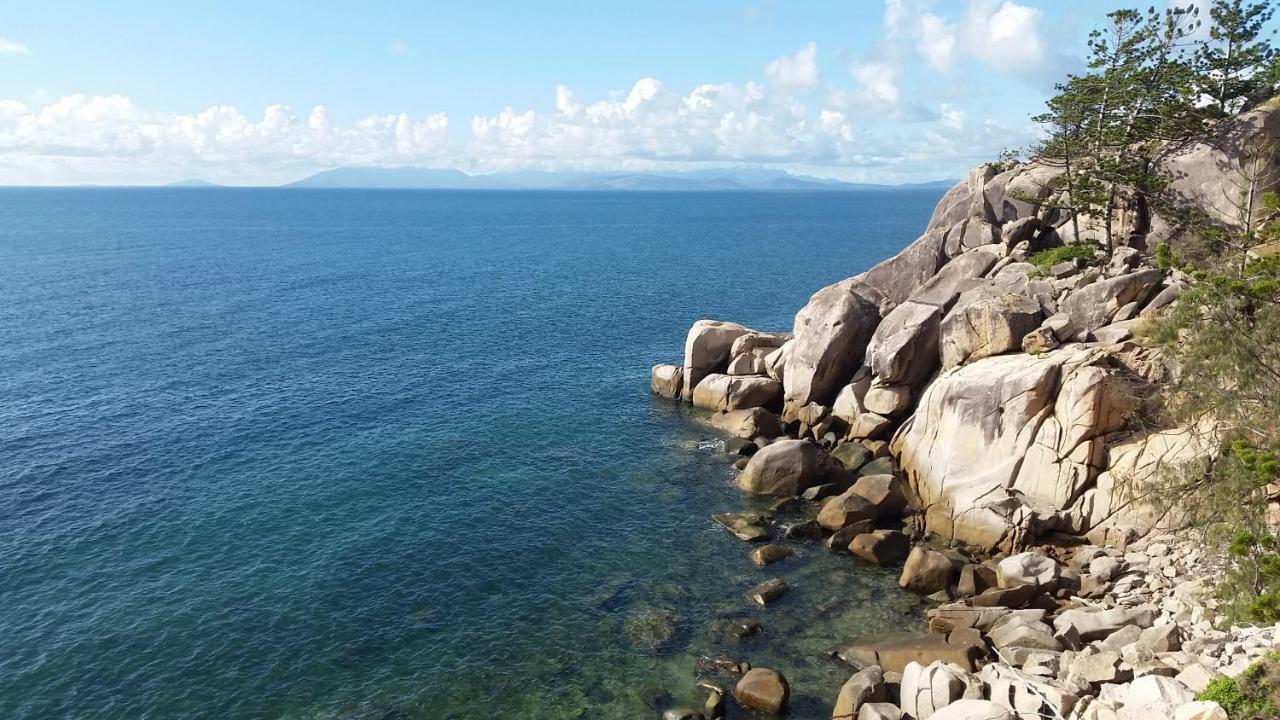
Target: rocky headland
(977, 419)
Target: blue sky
(260, 93)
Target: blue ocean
(392, 454)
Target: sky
(259, 93)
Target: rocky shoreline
(971, 409)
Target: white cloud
(1004, 35)
(877, 84)
(937, 42)
(80, 126)
(796, 72)
(11, 47)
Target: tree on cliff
(1235, 65)
(1108, 126)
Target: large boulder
(883, 491)
(1205, 176)
(1096, 304)
(1089, 623)
(721, 393)
(831, 335)
(882, 547)
(964, 200)
(764, 690)
(902, 345)
(786, 467)
(747, 423)
(707, 350)
(926, 571)
(865, 686)
(983, 433)
(666, 380)
(986, 321)
(926, 690)
(893, 651)
(1028, 568)
(845, 510)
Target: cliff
(1006, 393)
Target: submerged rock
(769, 554)
(650, 629)
(768, 591)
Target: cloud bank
(857, 122)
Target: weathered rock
(1152, 689)
(1160, 639)
(718, 392)
(887, 400)
(926, 571)
(1014, 631)
(747, 423)
(769, 554)
(666, 380)
(1039, 341)
(1094, 624)
(831, 335)
(786, 467)
(879, 711)
(892, 652)
(706, 350)
(905, 343)
(1028, 568)
(885, 492)
(1095, 305)
(882, 547)
(852, 455)
(926, 690)
(1200, 710)
(747, 364)
(1197, 677)
(865, 686)
(975, 579)
(840, 539)
(986, 321)
(747, 526)
(768, 591)
(846, 509)
(972, 709)
(764, 690)
(1001, 449)
(1101, 667)
(756, 341)
(869, 425)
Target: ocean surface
(383, 454)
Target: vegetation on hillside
(1156, 80)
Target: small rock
(682, 714)
(1027, 568)
(764, 690)
(806, 530)
(743, 628)
(846, 509)
(747, 526)
(768, 591)
(882, 547)
(972, 709)
(769, 554)
(926, 571)
(840, 539)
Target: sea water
(381, 454)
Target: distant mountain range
(693, 180)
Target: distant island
(692, 180)
(193, 183)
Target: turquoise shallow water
(343, 454)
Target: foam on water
(351, 454)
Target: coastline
(966, 410)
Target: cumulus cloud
(797, 72)
(12, 47)
(81, 126)
(1003, 35)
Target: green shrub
(1255, 696)
(1046, 259)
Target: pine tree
(1237, 62)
